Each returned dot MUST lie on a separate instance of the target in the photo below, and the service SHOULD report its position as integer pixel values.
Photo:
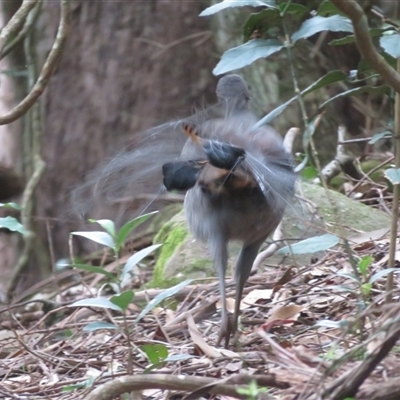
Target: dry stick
(47, 70)
(355, 378)
(118, 386)
(15, 24)
(396, 194)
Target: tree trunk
(127, 66)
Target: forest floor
(307, 332)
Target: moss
(171, 236)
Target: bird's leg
(243, 268)
(219, 249)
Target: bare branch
(16, 22)
(29, 23)
(364, 42)
(47, 70)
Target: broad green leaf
(12, 224)
(364, 264)
(97, 236)
(161, 297)
(129, 227)
(298, 10)
(96, 270)
(391, 44)
(245, 54)
(262, 22)
(311, 245)
(363, 89)
(106, 224)
(379, 136)
(393, 175)
(95, 326)
(349, 276)
(96, 302)
(382, 274)
(274, 113)
(328, 8)
(11, 205)
(134, 260)
(156, 352)
(351, 38)
(236, 3)
(326, 80)
(123, 299)
(335, 23)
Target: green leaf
(382, 274)
(97, 236)
(129, 227)
(311, 245)
(363, 89)
(106, 224)
(349, 276)
(96, 302)
(155, 352)
(335, 23)
(12, 224)
(245, 54)
(328, 8)
(95, 326)
(295, 9)
(364, 264)
(161, 297)
(274, 113)
(123, 299)
(262, 22)
(351, 38)
(13, 205)
(391, 44)
(236, 3)
(366, 288)
(326, 80)
(96, 270)
(379, 136)
(393, 175)
(134, 260)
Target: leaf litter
(312, 334)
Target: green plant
(252, 391)
(110, 237)
(11, 223)
(266, 33)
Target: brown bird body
(238, 180)
(245, 203)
